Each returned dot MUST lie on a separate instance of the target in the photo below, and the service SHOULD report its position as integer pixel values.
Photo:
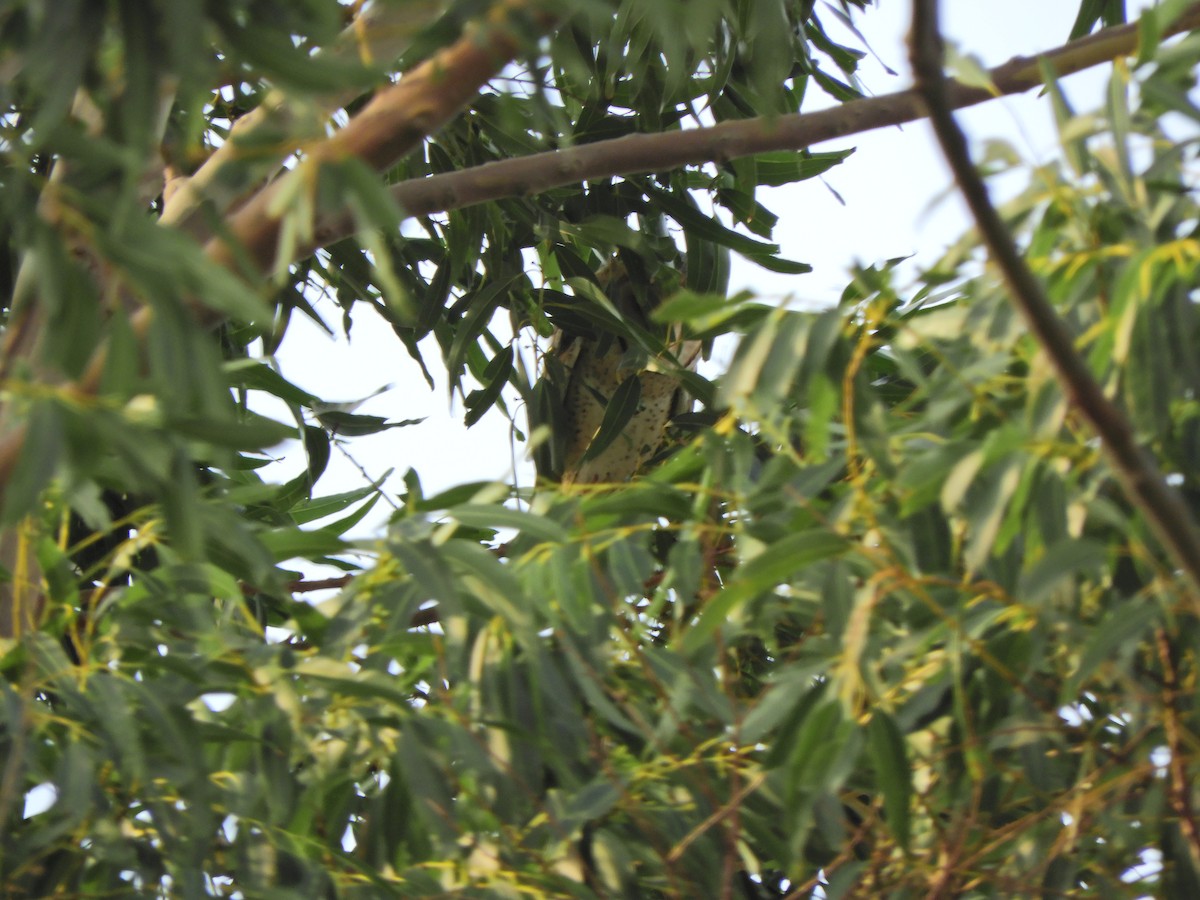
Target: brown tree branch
(377, 36)
(391, 125)
(637, 153)
(1136, 470)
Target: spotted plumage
(595, 369)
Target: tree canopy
(900, 602)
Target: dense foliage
(876, 618)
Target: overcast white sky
(888, 187)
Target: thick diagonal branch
(376, 37)
(1136, 470)
(391, 125)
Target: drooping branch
(639, 153)
(1137, 472)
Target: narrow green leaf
(1061, 562)
(689, 216)
(320, 507)
(765, 362)
(774, 566)
(1120, 629)
(44, 440)
(788, 689)
(344, 524)
(786, 167)
(291, 543)
(481, 307)
(486, 516)
(687, 306)
(778, 264)
(621, 408)
(1074, 146)
(889, 758)
(497, 374)
(257, 376)
(250, 432)
(592, 802)
(349, 424)
(340, 679)
(707, 265)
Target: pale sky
(888, 186)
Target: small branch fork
(1136, 470)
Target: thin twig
(716, 816)
(1148, 491)
(1180, 785)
